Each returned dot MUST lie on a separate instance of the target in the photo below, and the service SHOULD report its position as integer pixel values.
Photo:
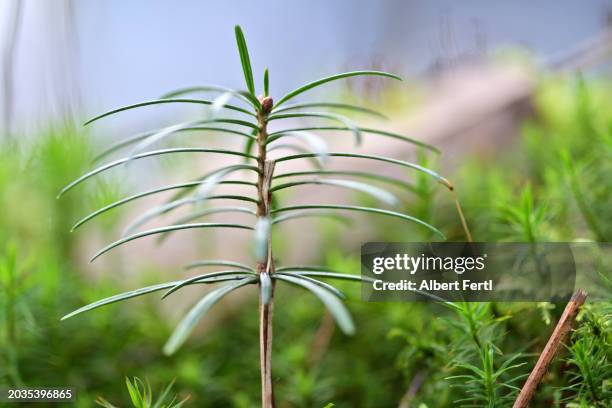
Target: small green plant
(141, 396)
(252, 120)
(484, 381)
(483, 384)
(590, 369)
(11, 289)
(524, 219)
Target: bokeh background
(516, 95)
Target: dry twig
(564, 326)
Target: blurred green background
(560, 163)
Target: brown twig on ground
(564, 326)
(321, 340)
(414, 387)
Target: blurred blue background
(85, 56)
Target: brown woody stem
(564, 326)
(266, 170)
(464, 224)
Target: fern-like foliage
(484, 380)
(590, 368)
(141, 396)
(240, 113)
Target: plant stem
(266, 170)
(555, 342)
(11, 288)
(11, 298)
(265, 351)
(413, 389)
(322, 338)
